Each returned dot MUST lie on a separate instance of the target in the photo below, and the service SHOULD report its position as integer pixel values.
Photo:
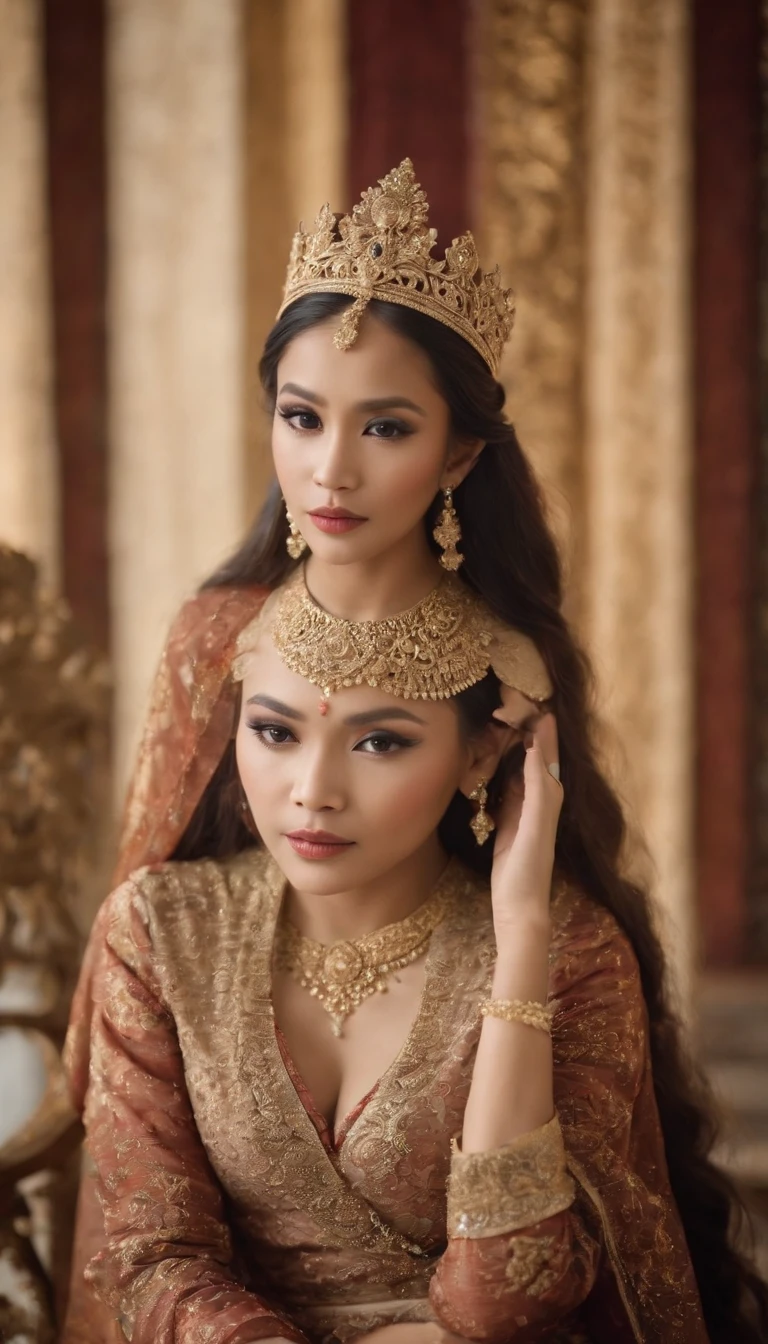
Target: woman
(377, 341)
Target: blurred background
(612, 157)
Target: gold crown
(382, 251)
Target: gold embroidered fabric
(528, 1265)
(522, 1183)
(383, 251)
(226, 1216)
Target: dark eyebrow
(302, 392)
(377, 715)
(389, 404)
(375, 404)
(276, 706)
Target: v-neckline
(332, 1184)
(386, 1079)
(334, 1143)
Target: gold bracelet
(514, 1010)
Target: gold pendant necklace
(341, 975)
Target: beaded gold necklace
(342, 975)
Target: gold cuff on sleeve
(512, 1187)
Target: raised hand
(526, 827)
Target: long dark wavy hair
(512, 561)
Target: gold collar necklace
(432, 651)
(342, 975)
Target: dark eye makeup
(383, 427)
(382, 742)
(299, 418)
(271, 734)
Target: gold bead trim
(515, 1010)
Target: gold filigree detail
(447, 533)
(383, 251)
(341, 976)
(531, 219)
(528, 1265)
(436, 649)
(493, 1193)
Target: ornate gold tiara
(382, 251)
(433, 651)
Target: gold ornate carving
(532, 221)
(54, 708)
(637, 612)
(383, 251)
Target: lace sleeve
(518, 1258)
(501, 1191)
(522, 1259)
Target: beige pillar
(176, 320)
(28, 468)
(315, 73)
(296, 139)
(638, 617)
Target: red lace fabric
(227, 1215)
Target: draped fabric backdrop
(134, 440)
(294, 146)
(176, 320)
(28, 475)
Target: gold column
(583, 141)
(530, 78)
(637, 466)
(296, 141)
(28, 467)
(176, 320)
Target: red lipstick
(336, 521)
(317, 844)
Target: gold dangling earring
(448, 532)
(482, 824)
(246, 816)
(295, 544)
